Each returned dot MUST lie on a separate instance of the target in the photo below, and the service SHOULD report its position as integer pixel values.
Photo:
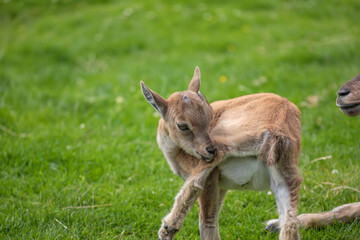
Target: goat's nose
(343, 91)
(211, 150)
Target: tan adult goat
(348, 99)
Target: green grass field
(76, 132)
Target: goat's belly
(244, 173)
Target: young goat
(250, 142)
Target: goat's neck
(169, 148)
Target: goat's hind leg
(286, 191)
(210, 202)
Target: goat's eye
(183, 127)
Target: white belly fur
(244, 173)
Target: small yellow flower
(245, 28)
(230, 48)
(119, 100)
(223, 79)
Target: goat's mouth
(350, 109)
(207, 159)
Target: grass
(76, 131)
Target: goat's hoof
(167, 232)
(272, 225)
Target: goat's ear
(194, 85)
(157, 101)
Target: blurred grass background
(76, 130)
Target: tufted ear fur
(158, 102)
(194, 85)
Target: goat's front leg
(344, 213)
(185, 199)
(210, 202)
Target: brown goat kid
(250, 142)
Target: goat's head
(349, 97)
(187, 117)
